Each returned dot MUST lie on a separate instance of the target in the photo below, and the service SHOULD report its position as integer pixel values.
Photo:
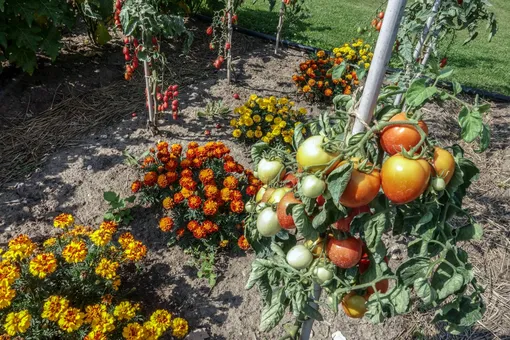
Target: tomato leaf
(338, 71)
(418, 92)
(373, 229)
(337, 182)
(273, 313)
(298, 136)
(303, 223)
(413, 269)
(448, 287)
(298, 302)
(461, 313)
(257, 151)
(485, 138)
(328, 215)
(471, 124)
(469, 232)
(382, 306)
(445, 73)
(425, 291)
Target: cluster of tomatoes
(402, 179)
(218, 62)
(132, 61)
(167, 99)
(116, 16)
(377, 21)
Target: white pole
(280, 27)
(382, 55)
(229, 40)
(151, 122)
(426, 29)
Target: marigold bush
(271, 120)
(316, 79)
(68, 287)
(202, 191)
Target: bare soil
(73, 177)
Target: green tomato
(250, 207)
(312, 187)
(299, 257)
(311, 155)
(322, 274)
(267, 222)
(267, 171)
(260, 193)
(260, 207)
(277, 195)
(438, 184)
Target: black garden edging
(497, 97)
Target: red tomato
(394, 138)
(344, 253)
(404, 180)
(374, 22)
(320, 200)
(381, 286)
(361, 189)
(344, 224)
(290, 180)
(381, 15)
(378, 26)
(443, 164)
(285, 220)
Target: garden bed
(77, 169)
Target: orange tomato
(286, 221)
(403, 180)
(395, 137)
(354, 305)
(444, 164)
(344, 253)
(361, 189)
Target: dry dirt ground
(73, 153)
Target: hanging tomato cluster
(130, 51)
(218, 32)
(116, 16)
(167, 99)
(341, 195)
(377, 21)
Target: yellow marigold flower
(109, 226)
(20, 248)
(162, 319)
(282, 124)
(306, 89)
(93, 313)
(223, 243)
(302, 111)
(165, 224)
(6, 294)
(367, 65)
(168, 203)
(265, 139)
(63, 221)
(125, 239)
(43, 264)
(269, 118)
(256, 118)
(95, 335)
(75, 252)
(116, 283)
(276, 132)
(253, 97)
(237, 133)
(133, 331)
(250, 134)
(126, 310)
(283, 101)
(248, 122)
(233, 122)
(17, 322)
(107, 269)
(105, 323)
(101, 237)
(9, 272)
(277, 120)
(321, 54)
(258, 134)
(53, 307)
(71, 319)
(151, 331)
(287, 139)
(180, 328)
(49, 242)
(135, 251)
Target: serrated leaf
(425, 291)
(328, 215)
(337, 182)
(257, 151)
(298, 138)
(303, 223)
(102, 36)
(461, 313)
(451, 286)
(471, 124)
(258, 271)
(22, 57)
(413, 269)
(418, 93)
(469, 232)
(485, 139)
(273, 313)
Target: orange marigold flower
(194, 202)
(199, 233)
(163, 156)
(306, 89)
(237, 206)
(225, 194)
(168, 203)
(109, 226)
(162, 146)
(187, 173)
(239, 169)
(166, 224)
(135, 251)
(218, 152)
(125, 239)
(236, 195)
(230, 182)
(150, 178)
(201, 151)
(251, 190)
(135, 186)
(311, 82)
(206, 176)
(186, 163)
(161, 169)
(210, 227)
(171, 177)
(211, 191)
(210, 207)
(328, 92)
(188, 183)
(180, 232)
(228, 158)
(171, 165)
(242, 242)
(192, 145)
(229, 166)
(196, 163)
(178, 197)
(176, 149)
(190, 154)
(149, 160)
(162, 181)
(295, 78)
(193, 225)
(186, 193)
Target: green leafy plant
(214, 109)
(119, 210)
